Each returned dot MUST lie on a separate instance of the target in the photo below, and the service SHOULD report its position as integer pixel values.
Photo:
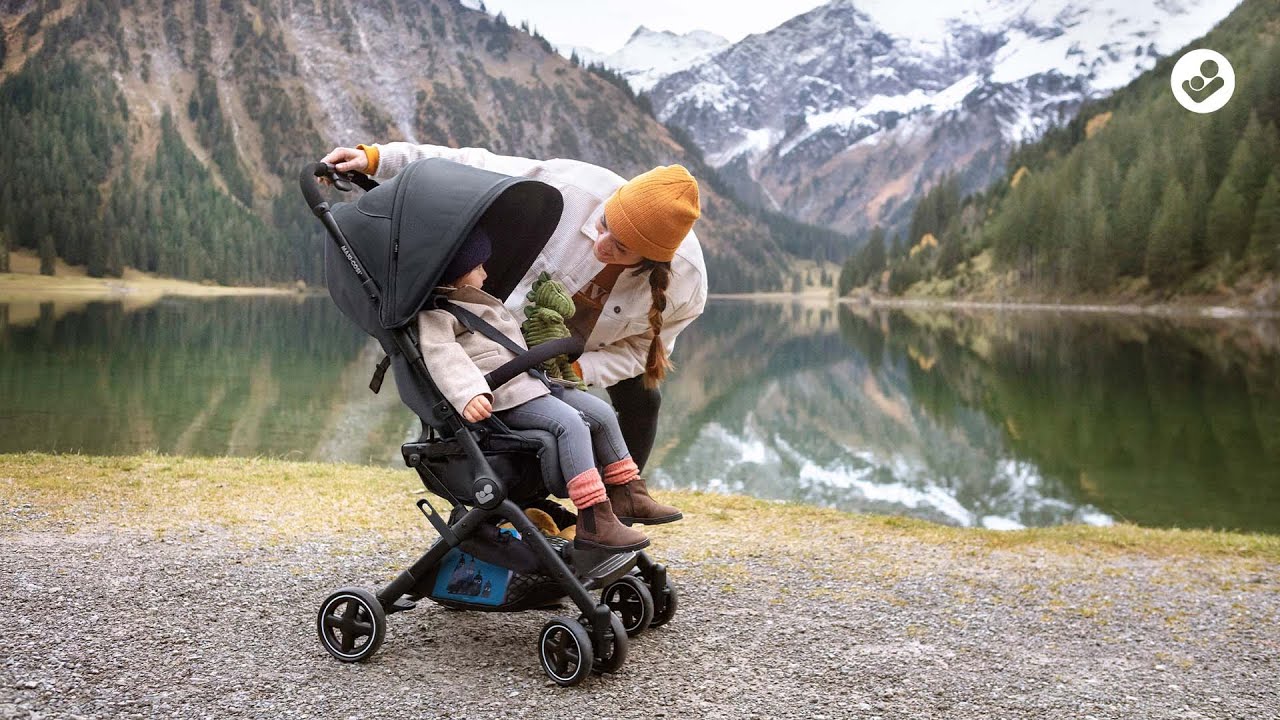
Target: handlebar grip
(535, 357)
(311, 188)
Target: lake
(991, 419)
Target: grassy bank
(287, 500)
(71, 284)
(978, 284)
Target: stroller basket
(388, 251)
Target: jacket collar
(589, 229)
(466, 294)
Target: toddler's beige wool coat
(458, 359)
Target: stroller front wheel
(351, 624)
(613, 652)
(664, 606)
(564, 650)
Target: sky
(605, 25)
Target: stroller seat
(388, 251)
(523, 458)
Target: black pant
(637, 408)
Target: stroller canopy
(406, 230)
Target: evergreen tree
(1264, 243)
(875, 258)
(1169, 254)
(1132, 225)
(4, 251)
(846, 282)
(1254, 156)
(1227, 228)
(1101, 272)
(48, 255)
(1198, 198)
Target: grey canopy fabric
(406, 230)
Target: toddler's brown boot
(599, 529)
(634, 504)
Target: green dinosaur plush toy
(544, 321)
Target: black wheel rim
(560, 653)
(346, 622)
(626, 603)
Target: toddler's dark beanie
(475, 250)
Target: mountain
(843, 115)
(650, 55)
(167, 136)
(1136, 199)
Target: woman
(627, 252)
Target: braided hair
(656, 364)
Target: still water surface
(985, 419)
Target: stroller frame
(352, 621)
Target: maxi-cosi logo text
(1203, 81)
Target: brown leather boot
(634, 504)
(599, 529)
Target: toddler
(585, 427)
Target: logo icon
(484, 494)
(1203, 81)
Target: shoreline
(23, 288)
(26, 296)
(24, 284)
(1188, 310)
(1217, 312)
(161, 491)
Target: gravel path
(210, 622)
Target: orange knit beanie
(654, 211)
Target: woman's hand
(346, 159)
(478, 409)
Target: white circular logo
(1203, 81)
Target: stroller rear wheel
(351, 624)
(564, 650)
(630, 600)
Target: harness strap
(473, 323)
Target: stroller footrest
(597, 569)
(401, 605)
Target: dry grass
(71, 284)
(290, 499)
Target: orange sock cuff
(586, 489)
(621, 472)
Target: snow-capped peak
(932, 87)
(650, 55)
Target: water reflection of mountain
(223, 376)
(1156, 422)
(801, 411)
(991, 419)
(1011, 422)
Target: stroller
(388, 250)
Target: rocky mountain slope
(167, 135)
(842, 115)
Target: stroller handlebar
(311, 188)
(535, 357)
(307, 180)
